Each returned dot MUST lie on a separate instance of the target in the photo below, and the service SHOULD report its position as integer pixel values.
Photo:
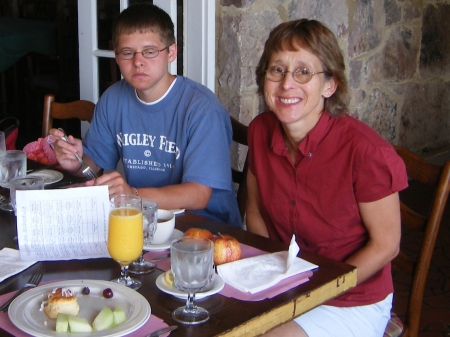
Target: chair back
(437, 179)
(83, 110)
(240, 176)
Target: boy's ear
(173, 50)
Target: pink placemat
(229, 291)
(154, 323)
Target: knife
(162, 331)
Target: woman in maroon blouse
(324, 176)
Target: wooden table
(229, 316)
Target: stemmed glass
(150, 219)
(192, 262)
(2, 142)
(125, 238)
(13, 163)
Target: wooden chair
(83, 110)
(240, 177)
(437, 178)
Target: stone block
(435, 50)
(366, 28)
(425, 121)
(380, 113)
(397, 59)
(333, 13)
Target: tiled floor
(435, 317)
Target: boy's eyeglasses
(300, 75)
(148, 53)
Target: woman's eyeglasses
(148, 53)
(300, 75)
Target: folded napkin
(11, 264)
(261, 272)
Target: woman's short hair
(144, 18)
(319, 40)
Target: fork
(87, 171)
(33, 282)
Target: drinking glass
(13, 163)
(150, 219)
(125, 238)
(26, 183)
(2, 142)
(192, 262)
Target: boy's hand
(65, 152)
(115, 182)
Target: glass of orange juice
(125, 235)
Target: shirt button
(293, 202)
(309, 154)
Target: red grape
(108, 293)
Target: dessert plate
(24, 312)
(50, 176)
(217, 285)
(176, 234)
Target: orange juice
(125, 235)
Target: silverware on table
(160, 258)
(33, 282)
(87, 171)
(162, 331)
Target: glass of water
(2, 142)
(13, 163)
(150, 222)
(192, 262)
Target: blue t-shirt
(185, 137)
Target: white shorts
(366, 320)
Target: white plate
(50, 176)
(217, 286)
(24, 311)
(176, 234)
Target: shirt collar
(312, 140)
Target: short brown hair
(143, 18)
(319, 40)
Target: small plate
(24, 311)
(50, 176)
(176, 234)
(217, 286)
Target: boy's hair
(144, 18)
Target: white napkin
(11, 264)
(261, 272)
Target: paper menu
(63, 224)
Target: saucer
(176, 234)
(217, 285)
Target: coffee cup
(164, 228)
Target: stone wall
(397, 56)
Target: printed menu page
(63, 224)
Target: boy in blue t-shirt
(172, 134)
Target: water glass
(13, 163)
(26, 183)
(2, 142)
(150, 220)
(192, 262)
